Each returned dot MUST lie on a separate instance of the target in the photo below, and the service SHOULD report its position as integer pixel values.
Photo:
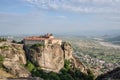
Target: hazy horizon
(58, 16)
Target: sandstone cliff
(51, 57)
(48, 58)
(68, 54)
(14, 58)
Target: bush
(2, 39)
(1, 60)
(65, 74)
(3, 47)
(36, 45)
(53, 76)
(67, 65)
(30, 66)
(90, 75)
(13, 41)
(66, 77)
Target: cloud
(80, 6)
(61, 17)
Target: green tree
(36, 45)
(53, 76)
(66, 77)
(90, 75)
(67, 65)
(1, 61)
(30, 66)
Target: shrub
(3, 47)
(36, 45)
(2, 39)
(67, 64)
(90, 75)
(53, 76)
(30, 66)
(1, 60)
(65, 74)
(13, 41)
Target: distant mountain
(114, 40)
(97, 33)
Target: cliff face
(14, 57)
(68, 54)
(48, 58)
(51, 57)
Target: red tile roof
(38, 38)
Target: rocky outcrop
(48, 57)
(16, 69)
(14, 58)
(68, 54)
(51, 57)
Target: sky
(58, 16)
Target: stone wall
(34, 42)
(45, 42)
(57, 41)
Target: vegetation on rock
(66, 64)
(36, 45)
(2, 39)
(4, 47)
(1, 61)
(30, 66)
(66, 73)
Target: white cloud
(62, 17)
(84, 6)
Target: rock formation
(48, 57)
(14, 58)
(51, 57)
(68, 54)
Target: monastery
(46, 39)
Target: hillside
(48, 62)
(111, 75)
(99, 55)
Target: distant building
(44, 39)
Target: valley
(99, 55)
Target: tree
(30, 66)
(13, 41)
(53, 76)
(90, 75)
(1, 60)
(67, 65)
